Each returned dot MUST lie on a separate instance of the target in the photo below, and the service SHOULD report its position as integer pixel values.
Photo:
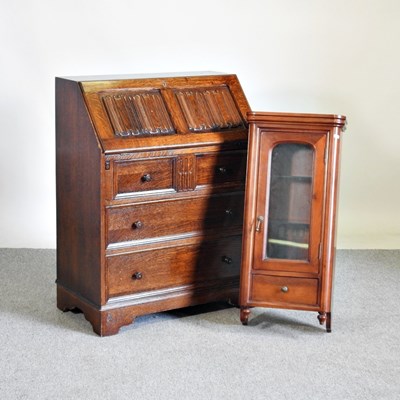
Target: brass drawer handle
(226, 260)
(284, 289)
(137, 276)
(146, 178)
(137, 225)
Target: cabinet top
(130, 112)
(277, 118)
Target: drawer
(175, 266)
(281, 289)
(221, 169)
(174, 217)
(143, 175)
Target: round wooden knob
(137, 276)
(146, 178)
(227, 260)
(137, 225)
(222, 170)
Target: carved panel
(209, 109)
(137, 113)
(185, 173)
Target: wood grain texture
(304, 284)
(185, 172)
(209, 109)
(221, 169)
(143, 175)
(174, 218)
(78, 177)
(269, 139)
(216, 103)
(171, 267)
(149, 212)
(137, 113)
(284, 290)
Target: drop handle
(137, 225)
(260, 220)
(146, 178)
(137, 276)
(226, 260)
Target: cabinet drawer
(281, 289)
(174, 217)
(217, 169)
(175, 266)
(143, 175)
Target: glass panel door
(290, 196)
(289, 201)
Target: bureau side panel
(78, 174)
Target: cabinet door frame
(268, 140)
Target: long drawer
(174, 217)
(175, 266)
(285, 290)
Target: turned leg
(244, 315)
(328, 322)
(325, 318)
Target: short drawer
(143, 175)
(218, 169)
(175, 266)
(174, 217)
(280, 289)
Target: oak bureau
(150, 193)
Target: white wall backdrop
(339, 57)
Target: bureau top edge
(119, 77)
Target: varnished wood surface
(284, 290)
(268, 140)
(107, 320)
(150, 199)
(189, 102)
(214, 168)
(144, 175)
(174, 217)
(79, 214)
(174, 266)
(301, 119)
(269, 282)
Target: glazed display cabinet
(290, 213)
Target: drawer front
(176, 266)
(174, 217)
(284, 290)
(144, 175)
(221, 169)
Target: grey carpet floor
(203, 352)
